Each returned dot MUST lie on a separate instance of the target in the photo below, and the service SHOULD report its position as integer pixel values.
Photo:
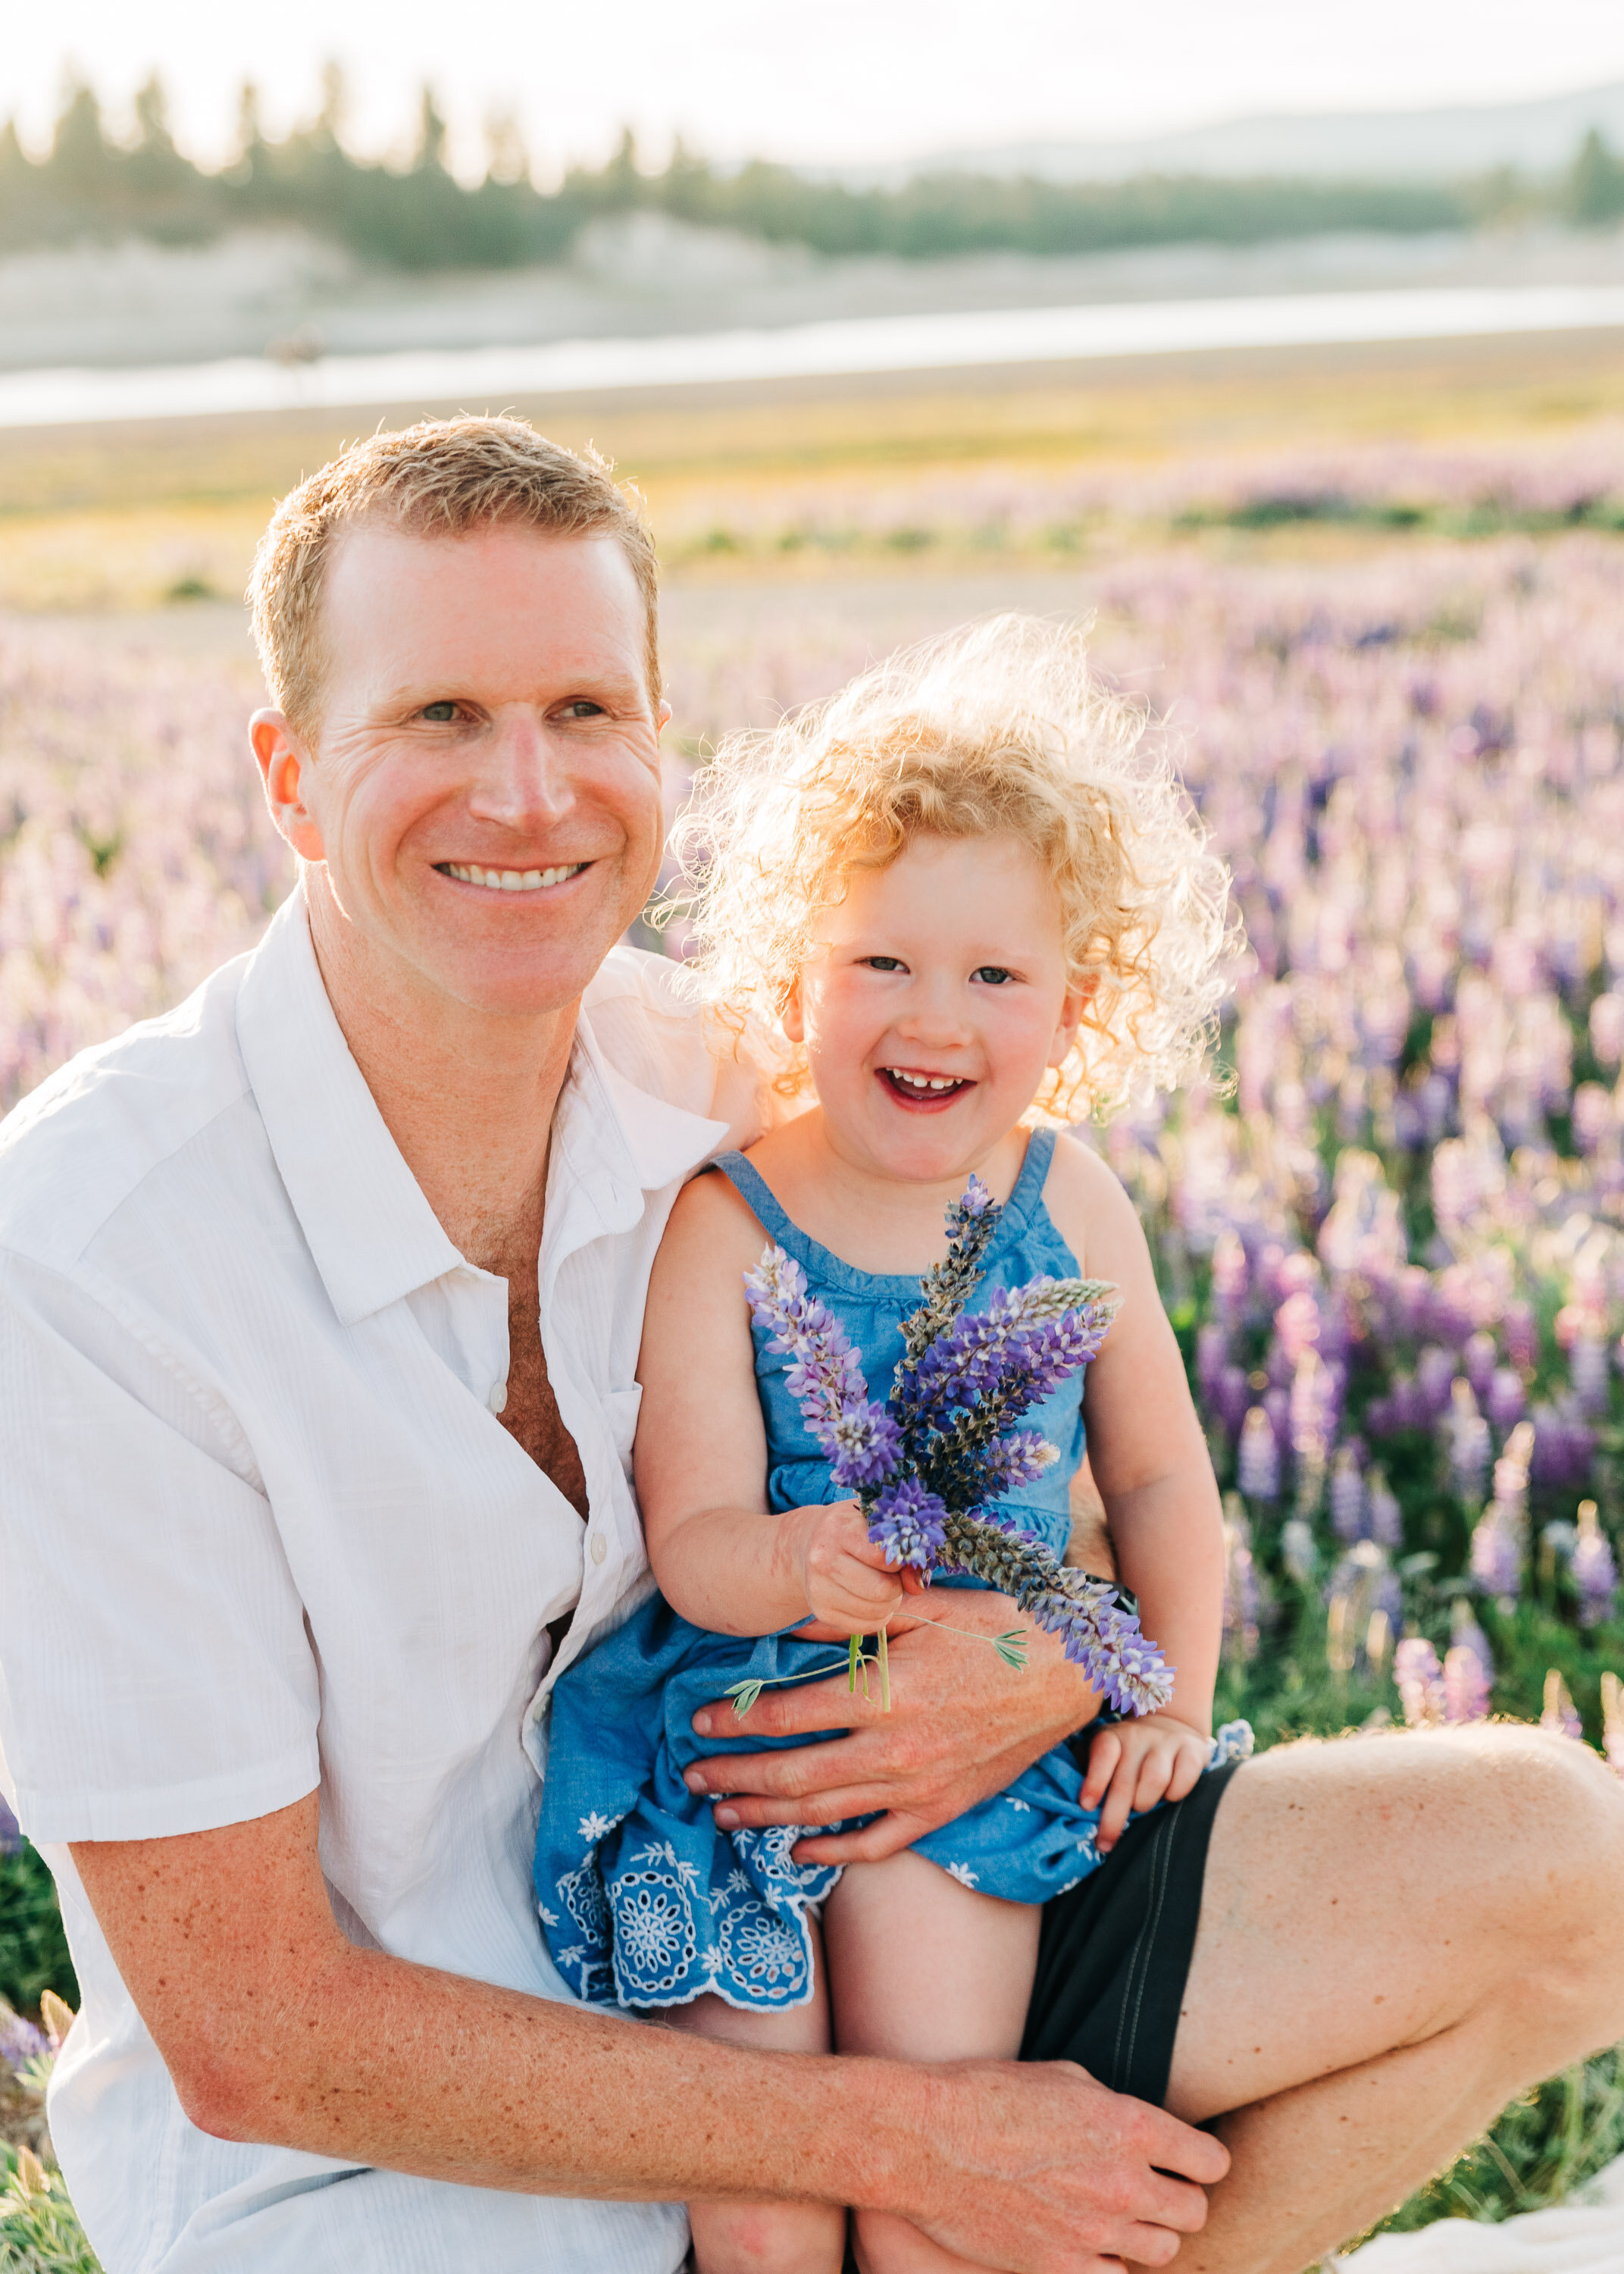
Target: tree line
(91, 184)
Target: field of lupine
(1390, 1228)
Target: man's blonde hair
(441, 477)
(998, 730)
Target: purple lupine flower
(1465, 1685)
(1313, 1408)
(1589, 1370)
(11, 1831)
(1384, 1517)
(1595, 1573)
(1228, 1276)
(1507, 1399)
(1419, 1681)
(20, 2042)
(860, 1440)
(1559, 1713)
(1471, 1446)
(1018, 1458)
(1479, 1357)
(909, 1524)
(1297, 1551)
(1257, 1459)
(1496, 1556)
(1466, 1634)
(1347, 1495)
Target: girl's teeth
(512, 880)
(925, 1081)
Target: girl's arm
(1150, 1462)
(721, 1559)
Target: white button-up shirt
(260, 1530)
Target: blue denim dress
(643, 1902)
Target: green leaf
(1012, 1648)
(744, 1695)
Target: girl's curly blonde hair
(999, 728)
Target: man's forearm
(386, 2063)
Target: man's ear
(282, 759)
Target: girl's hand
(848, 1584)
(1132, 1765)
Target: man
(318, 1315)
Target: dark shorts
(1114, 1954)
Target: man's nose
(521, 783)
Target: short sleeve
(155, 1673)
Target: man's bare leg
(1397, 1935)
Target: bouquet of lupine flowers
(929, 1466)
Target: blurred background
(1291, 348)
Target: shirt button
(600, 1547)
(497, 1398)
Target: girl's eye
(884, 963)
(440, 714)
(994, 973)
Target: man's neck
(468, 1096)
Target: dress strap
(753, 1188)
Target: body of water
(478, 377)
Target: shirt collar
(372, 1235)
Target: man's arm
(275, 2028)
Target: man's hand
(1119, 2187)
(1133, 1765)
(962, 1726)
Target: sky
(838, 83)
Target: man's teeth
(924, 1081)
(512, 880)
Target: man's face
(483, 792)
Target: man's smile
(510, 880)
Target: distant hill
(1536, 138)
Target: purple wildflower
(20, 2042)
(1257, 1459)
(1496, 1555)
(909, 1524)
(1466, 1686)
(1595, 1573)
(1507, 1399)
(1347, 1495)
(1384, 1518)
(1419, 1680)
(1466, 1634)
(1019, 1458)
(860, 1440)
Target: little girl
(970, 902)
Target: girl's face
(938, 999)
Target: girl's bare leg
(922, 1969)
(769, 2237)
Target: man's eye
(440, 714)
(584, 708)
(994, 973)
(884, 963)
